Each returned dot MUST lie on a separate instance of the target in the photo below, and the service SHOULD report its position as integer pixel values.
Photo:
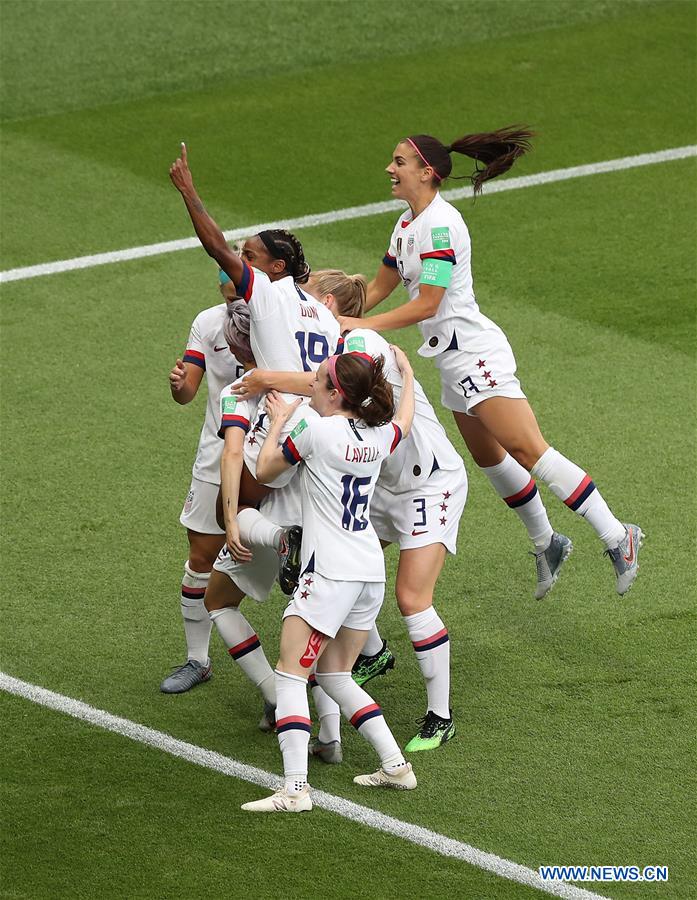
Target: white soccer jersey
(290, 330)
(342, 459)
(208, 349)
(426, 449)
(418, 249)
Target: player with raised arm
(418, 502)
(430, 253)
(289, 329)
(343, 581)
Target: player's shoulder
(365, 340)
(213, 317)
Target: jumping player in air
(418, 502)
(343, 579)
(430, 253)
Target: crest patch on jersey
(301, 426)
(410, 244)
(229, 404)
(440, 238)
(355, 345)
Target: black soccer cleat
(289, 559)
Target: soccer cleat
(625, 557)
(289, 559)
(434, 731)
(403, 780)
(267, 722)
(367, 667)
(282, 801)
(329, 753)
(550, 561)
(186, 676)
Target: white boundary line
(352, 212)
(363, 815)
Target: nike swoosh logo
(630, 559)
(218, 349)
(415, 533)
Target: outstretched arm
(208, 232)
(381, 286)
(259, 381)
(230, 473)
(422, 307)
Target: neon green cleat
(434, 732)
(367, 667)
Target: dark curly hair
(283, 245)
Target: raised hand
(180, 174)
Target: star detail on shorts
(252, 439)
(481, 363)
(443, 520)
(444, 506)
(304, 594)
(492, 383)
(308, 581)
(447, 495)
(487, 375)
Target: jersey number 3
(354, 502)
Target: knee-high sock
(257, 531)
(430, 640)
(513, 483)
(373, 643)
(293, 728)
(572, 485)
(245, 648)
(364, 714)
(197, 626)
(328, 713)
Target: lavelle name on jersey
(361, 454)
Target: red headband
(333, 377)
(426, 162)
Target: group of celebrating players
(319, 448)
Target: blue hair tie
(223, 277)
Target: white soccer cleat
(282, 801)
(403, 780)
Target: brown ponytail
(497, 150)
(365, 390)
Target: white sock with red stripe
(293, 728)
(373, 643)
(513, 483)
(430, 640)
(258, 531)
(572, 485)
(328, 713)
(197, 625)
(245, 648)
(364, 714)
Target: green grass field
(576, 723)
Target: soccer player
(430, 253)
(206, 353)
(418, 502)
(343, 579)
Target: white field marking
(363, 815)
(351, 212)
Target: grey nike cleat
(186, 676)
(550, 561)
(625, 557)
(267, 722)
(330, 752)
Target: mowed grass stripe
(354, 812)
(349, 213)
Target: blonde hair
(350, 291)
